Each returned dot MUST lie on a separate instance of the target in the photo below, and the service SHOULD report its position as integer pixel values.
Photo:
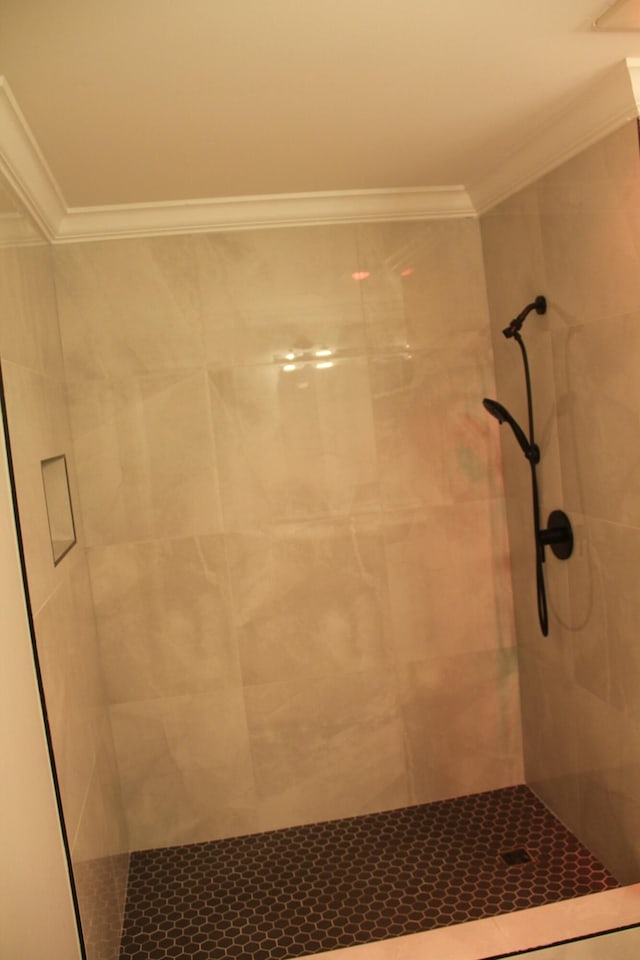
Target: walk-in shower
(273, 578)
(558, 534)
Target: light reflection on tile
(293, 444)
(426, 282)
(264, 292)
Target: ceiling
(158, 100)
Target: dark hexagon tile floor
(303, 890)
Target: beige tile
(449, 580)
(145, 458)
(29, 332)
(128, 307)
(102, 831)
(616, 560)
(550, 726)
(163, 618)
(623, 945)
(185, 769)
(579, 917)
(514, 266)
(607, 762)
(465, 941)
(586, 225)
(604, 603)
(99, 891)
(426, 282)
(436, 444)
(310, 600)
(326, 748)
(38, 429)
(599, 403)
(294, 444)
(68, 656)
(521, 930)
(461, 720)
(267, 292)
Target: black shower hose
(541, 594)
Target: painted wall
(300, 575)
(575, 236)
(61, 601)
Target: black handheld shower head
(540, 307)
(502, 415)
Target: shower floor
(304, 890)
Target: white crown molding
(247, 213)
(25, 168)
(604, 107)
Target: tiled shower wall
(575, 236)
(300, 572)
(60, 596)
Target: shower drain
(513, 857)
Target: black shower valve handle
(558, 535)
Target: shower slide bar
(558, 534)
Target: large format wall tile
(580, 686)
(326, 748)
(246, 454)
(310, 600)
(294, 443)
(589, 227)
(73, 686)
(185, 768)
(29, 333)
(449, 580)
(607, 662)
(267, 292)
(599, 416)
(128, 308)
(145, 458)
(480, 742)
(39, 428)
(436, 444)
(425, 283)
(164, 618)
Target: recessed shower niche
(55, 482)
